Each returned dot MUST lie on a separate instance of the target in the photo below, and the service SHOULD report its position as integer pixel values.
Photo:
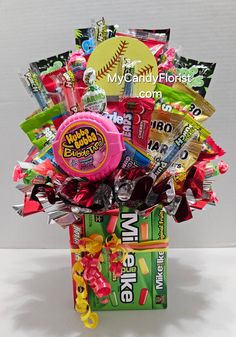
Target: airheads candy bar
(143, 282)
(88, 145)
(44, 154)
(199, 73)
(132, 116)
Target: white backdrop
(30, 30)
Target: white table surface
(36, 297)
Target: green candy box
(143, 282)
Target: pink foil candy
(210, 150)
(115, 266)
(223, 167)
(17, 173)
(95, 279)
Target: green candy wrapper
(200, 73)
(172, 99)
(39, 127)
(143, 282)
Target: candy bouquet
(118, 143)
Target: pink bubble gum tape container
(88, 145)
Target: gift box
(143, 280)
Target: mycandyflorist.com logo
(149, 78)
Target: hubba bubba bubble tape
(110, 161)
(143, 280)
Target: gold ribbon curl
(94, 245)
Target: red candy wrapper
(31, 206)
(51, 85)
(132, 116)
(210, 150)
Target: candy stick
(143, 266)
(143, 296)
(144, 231)
(72, 97)
(35, 88)
(113, 299)
(112, 224)
(129, 71)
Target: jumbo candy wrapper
(118, 144)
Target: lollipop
(95, 97)
(77, 63)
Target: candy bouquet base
(118, 143)
(142, 281)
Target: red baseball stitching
(142, 72)
(114, 60)
(145, 70)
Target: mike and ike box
(143, 282)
